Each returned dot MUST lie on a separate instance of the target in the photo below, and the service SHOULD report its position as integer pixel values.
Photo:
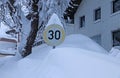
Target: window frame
(82, 21)
(114, 36)
(113, 7)
(96, 14)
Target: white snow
(6, 47)
(115, 52)
(25, 10)
(54, 20)
(81, 41)
(23, 5)
(3, 29)
(65, 61)
(11, 51)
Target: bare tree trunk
(34, 28)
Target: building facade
(100, 20)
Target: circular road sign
(54, 35)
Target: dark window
(116, 38)
(82, 21)
(97, 14)
(116, 5)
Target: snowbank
(65, 61)
(115, 52)
(77, 63)
(83, 42)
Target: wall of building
(108, 23)
(69, 28)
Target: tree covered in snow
(34, 17)
(29, 17)
(71, 9)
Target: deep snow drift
(81, 41)
(69, 60)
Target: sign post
(54, 33)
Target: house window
(97, 14)
(116, 5)
(82, 21)
(116, 38)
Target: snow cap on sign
(54, 20)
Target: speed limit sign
(54, 35)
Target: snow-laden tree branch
(34, 17)
(29, 17)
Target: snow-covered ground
(115, 52)
(71, 59)
(83, 42)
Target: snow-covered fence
(8, 46)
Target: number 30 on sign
(54, 35)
